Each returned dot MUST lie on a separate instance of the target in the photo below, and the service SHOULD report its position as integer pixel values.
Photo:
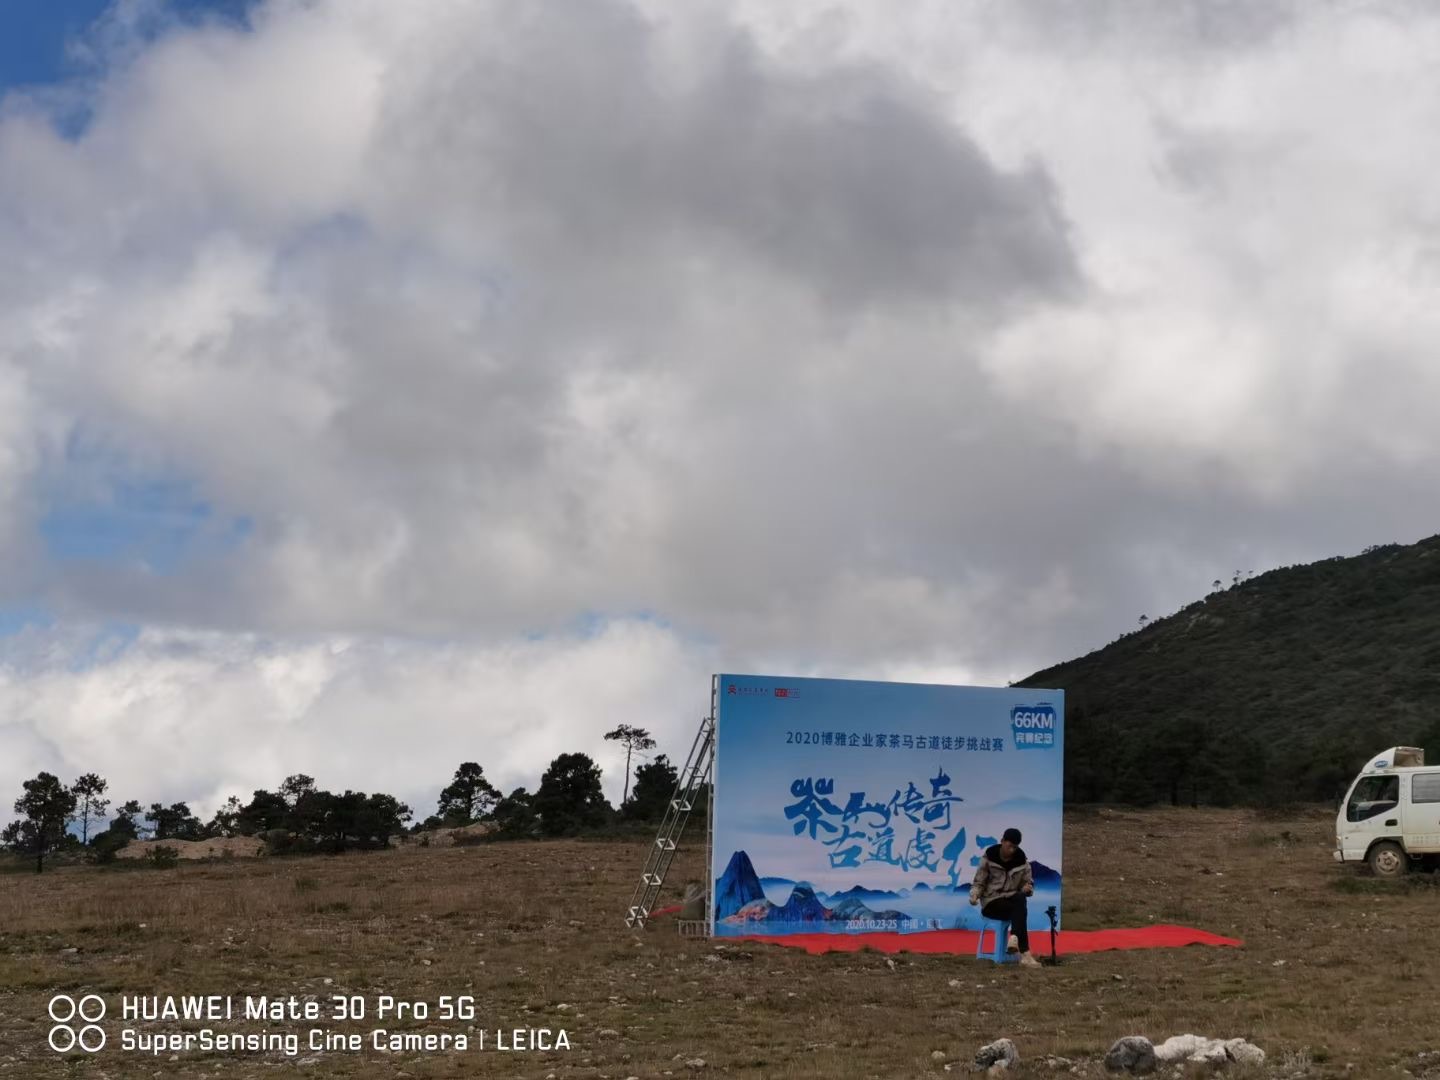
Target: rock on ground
(1132, 1054)
(1001, 1052)
(1199, 1048)
(1244, 1053)
(450, 837)
(1189, 1047)
(219, 847)
(1426, 1065)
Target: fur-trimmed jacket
(995, 879)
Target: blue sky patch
(107, 643)
(156, 522)
(40, 41)
(16, 618)
(35, 36)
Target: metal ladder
(688, 784)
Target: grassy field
(1337, 976)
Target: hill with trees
(1277, 688)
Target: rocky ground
(1336, 978)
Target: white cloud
(201, 716)
(839, 340)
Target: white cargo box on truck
(1390, 818)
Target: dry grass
(1337, 977)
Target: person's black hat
(1013, 835)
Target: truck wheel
(1387, 860)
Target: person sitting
(1002, 882)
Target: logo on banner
(756, 691)
(1033, 726)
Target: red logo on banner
(781, 692)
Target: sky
(385, 386)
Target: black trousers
(1011, 908)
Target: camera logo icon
(64, 1010)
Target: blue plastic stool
(1001, 929)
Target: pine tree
(569, 800)
(654, 787)
(635, 740)
(468, 797)
(89, 791)
(45, 810)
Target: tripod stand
(1052, 958)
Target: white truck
(1390, 819)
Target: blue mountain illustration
(769, 881)
(737, 887)
(803, 906)
(740, 899)
(874, 894)
(856, 909)
(1043, 874)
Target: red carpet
(963, 942)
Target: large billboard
(854, 807)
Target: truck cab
(1390, 818)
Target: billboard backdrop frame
(784, 864)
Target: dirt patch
(221, 847)
(450, 837)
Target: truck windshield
(1373, 795)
